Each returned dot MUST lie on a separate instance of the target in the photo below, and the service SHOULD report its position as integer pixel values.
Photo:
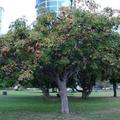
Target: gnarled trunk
(85, 94)
(114, 89)
(87, 89)
(63, 96)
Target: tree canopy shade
(76, 42)
(72, 42)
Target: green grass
(27, 101)
(30, 105)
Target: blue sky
(16, 8)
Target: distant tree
(109, 60)
(42, 81)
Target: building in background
(1, 16)
(53, 5)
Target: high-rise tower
(53, 5)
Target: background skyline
(17, 8)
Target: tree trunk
(45, 92)
(54, 90)
(114, 89)
(63, 96)
(86, 92)
(84, 95)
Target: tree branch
(70, 70)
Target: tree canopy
(77, 42)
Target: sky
(109, 3)
(14, 9)
(17, 8)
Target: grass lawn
(30, 105)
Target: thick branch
(70, 71)
(78, 90)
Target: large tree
(61, 46)
(72, 43)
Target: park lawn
(30, 105)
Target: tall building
(1, 14)
(53, 5)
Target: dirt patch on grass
(111, 114)
(40, 116)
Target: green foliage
(20, 28)
(75, 36)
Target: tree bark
(84, 95)
(61, 80)
(63, 96)
(114, 89)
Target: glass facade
(53, 5)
